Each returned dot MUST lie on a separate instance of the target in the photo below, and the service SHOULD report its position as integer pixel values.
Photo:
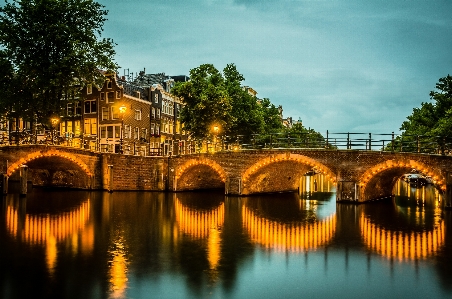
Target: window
(110, 131)
(90, 106)
(152, 129)
(70, 109)
(109, 84)
(126, 131)
(153, 112)
(110, 97)
(157, 130)
(138, 114)
(104, 113)
(90, 127)
(102, 96)
(118, 94)
(78, 108)
(144, 133)
(158, 113)
(156, 98)
(114, 113)
(117, 132)
(89, 89)
(137, 133)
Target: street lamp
(216, 129)
(122, 111)
(54, 121)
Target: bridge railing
(307, 140)
(350, 140)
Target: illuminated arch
(294, 237)
(322, 169)
(400, 244)
(51, 153)
(370, 173)
(196, 162)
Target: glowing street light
(122, 111)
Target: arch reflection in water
(202, 223)
(47, 229)
(400, 244)
(305, 231)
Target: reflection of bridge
(358, 175)
(293, 237)
(402, 245)
(48, 230)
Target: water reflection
(203, 244)
(33, 222)
(287, 223)
(409, 228)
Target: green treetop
(53, 47)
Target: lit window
(89, 89)
(90, 127)
(104, 113)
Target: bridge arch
(52, 168)
(268, 171)
(52, 153)
(379, 180)
(199, 174)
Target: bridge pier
(347, 191)
(233, 186)
(23, 179)
(4, 184)
(448, 194)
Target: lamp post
(216, 129)
(54, 121)
(122, 111)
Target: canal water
(77, 244)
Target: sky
(341, 66)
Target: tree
(246, 113)
(432, 122)
(54, 48)
(206, 100)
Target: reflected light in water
(402, 245)
(118, 269)
(48, 230)
(202, 224)
(293, 237)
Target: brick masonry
(359, 175)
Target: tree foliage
(432, 121)
(213, 98)
(53, 47)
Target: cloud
(336, 64)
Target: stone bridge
(357, 175)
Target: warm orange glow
(51, 152)
(49, 230)
(292, 157)
(198, 224)
(202, 224)
(212, 164)
(118, 270)
(402, 245)
(294, 237)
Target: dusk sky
(350, 65)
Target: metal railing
(310, 140)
